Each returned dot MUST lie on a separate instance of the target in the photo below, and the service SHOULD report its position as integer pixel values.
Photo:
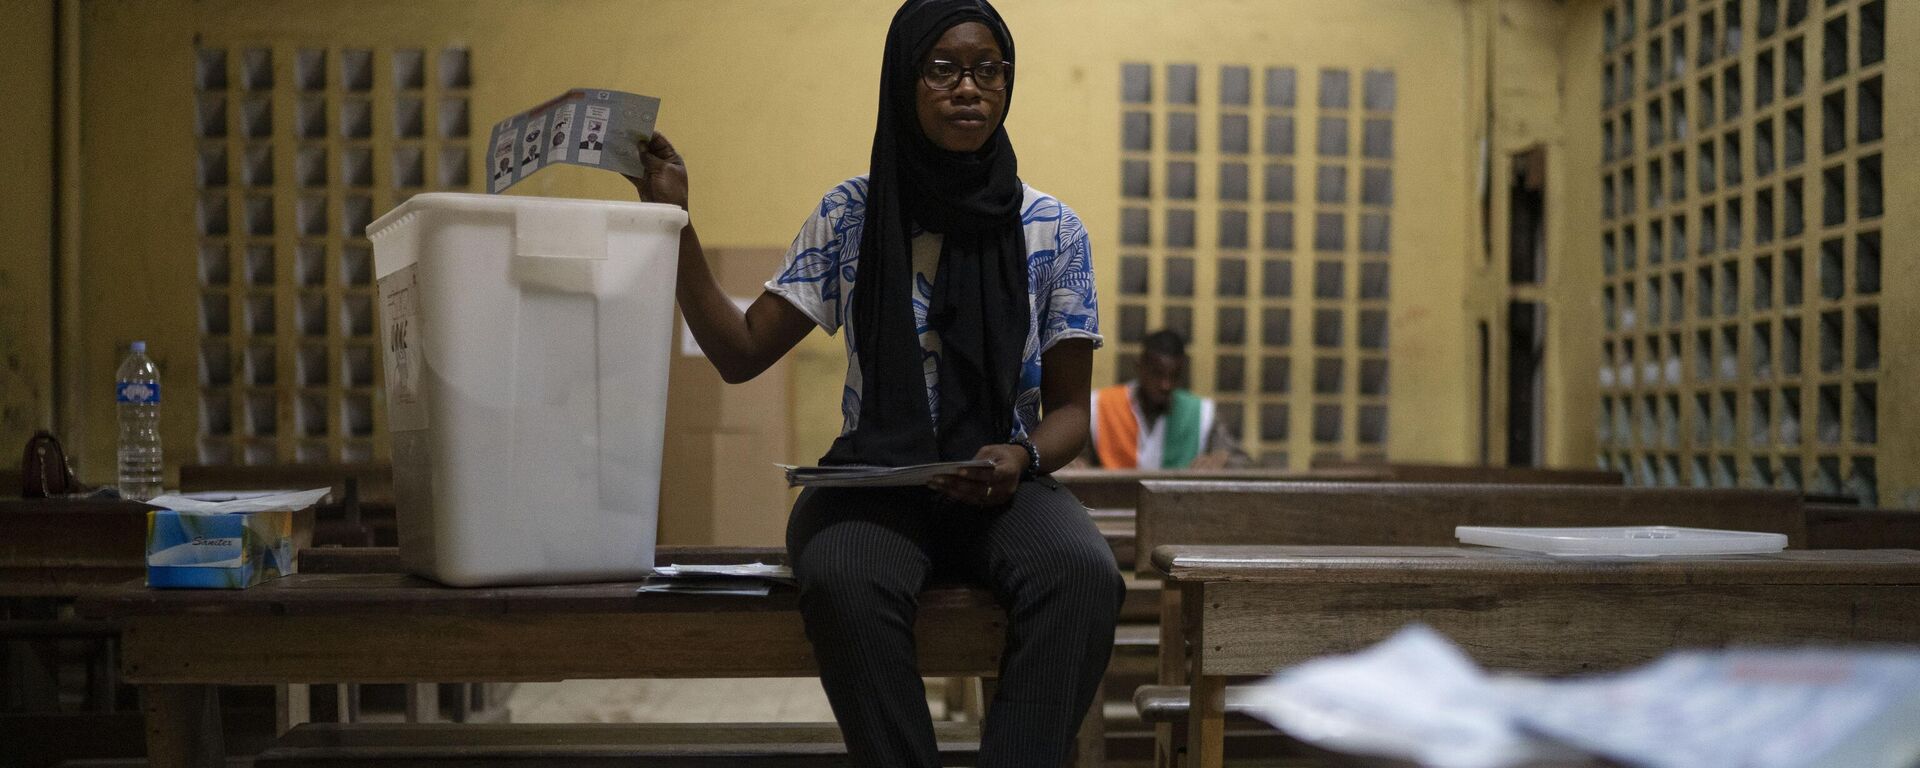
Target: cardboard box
(718, 483)
(233, 550)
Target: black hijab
(979, 303)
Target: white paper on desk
(291, 500)
(1742, 708)
(753, 579)
(739, 571)
(1414, 697)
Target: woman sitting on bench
(968, 305)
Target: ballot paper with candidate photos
(585, 126)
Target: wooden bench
(1249, 610)
(62, 548)
(1414, 472)
(361, 624)
(52, 551)
(1116, 526)
(1843, 527)
(584, 745)
(1120, 488)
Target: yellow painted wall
(771, 102)
(1900, 311)
(1533, 79)
(26, 224)
(1573, 267)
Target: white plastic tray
(1624, 541)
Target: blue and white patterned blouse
(819, 272)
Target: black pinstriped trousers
(862, 556)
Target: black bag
(44, 470)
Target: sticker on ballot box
(404, 355)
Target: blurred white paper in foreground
(1417, 697)
(1414, 696)
(1741, 708)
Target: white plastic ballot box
(525, 344)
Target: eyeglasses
(987, 75)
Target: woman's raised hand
(666, 179)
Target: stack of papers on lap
(874, 477)
(731, 579)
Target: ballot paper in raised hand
(593, 127)
(857, 475)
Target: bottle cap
(140, 347)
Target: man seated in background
(1153, 423)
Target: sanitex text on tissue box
(228, 545)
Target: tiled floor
(744, 700)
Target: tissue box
(232, 550)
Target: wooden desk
(1406, 472)
(1249, 610)
(1417, 514)
(1840, 527)
(51, 552)
(62, 548)
(1120, 535)
(1425, 514)
(1120, 488)
(319, 627)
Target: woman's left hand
(986, 486)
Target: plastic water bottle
(137, 392)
